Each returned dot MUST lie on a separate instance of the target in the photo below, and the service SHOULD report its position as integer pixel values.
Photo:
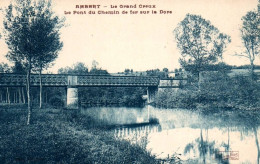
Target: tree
(94, 64)
(31, 32)
(4, 68)
(166, 72)
(18, 68)
(200, 43)
(250, 34)
(96, 70)
(48, 35)
(79, 69)
(127, 71)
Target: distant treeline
(216, 67)
(245, 67)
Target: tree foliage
(32, 31)
(48, 26)
(4, 68)
(200, 43)
(250, 34)
(79, 68)
(32, 35)
(96, 70)
(18, 68)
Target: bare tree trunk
(199, 80)
(257, 145)
(20, 96)
(8, 95)
(23, 95)
(17, 96)
(40, 74)
(252, 69)
(202, 146)
(14, 97)
(29, 92)
(45, 97)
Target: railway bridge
(73, 82)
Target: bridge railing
(7, 79)
(172, 83)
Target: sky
(138, 41)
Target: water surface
(189, 135)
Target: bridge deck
(10, 80)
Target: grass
(62, 136)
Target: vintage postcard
(129, 81)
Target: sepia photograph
(130, 81)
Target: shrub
(56, 102)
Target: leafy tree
(31, 32)
(250, 34)
(94, 64)
(99, 71)
(157, 72)
(96, 70)
(78, 68)
(48, 35)
(200, 43)
(65, 70)
(4, 68)
(210, 67)
(127, 71)
(18, 68)
(166, 71)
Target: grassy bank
(61, 136)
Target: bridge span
(72, 82)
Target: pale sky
(137, 41)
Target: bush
(56, 102)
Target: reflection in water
(136, 131)
(208, 153)
(137, 135)
(118, 115)
(196, 138)
(257, 144)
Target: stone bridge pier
(151, 94)
(72, 92)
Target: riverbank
(62, 136)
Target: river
(189, 135)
